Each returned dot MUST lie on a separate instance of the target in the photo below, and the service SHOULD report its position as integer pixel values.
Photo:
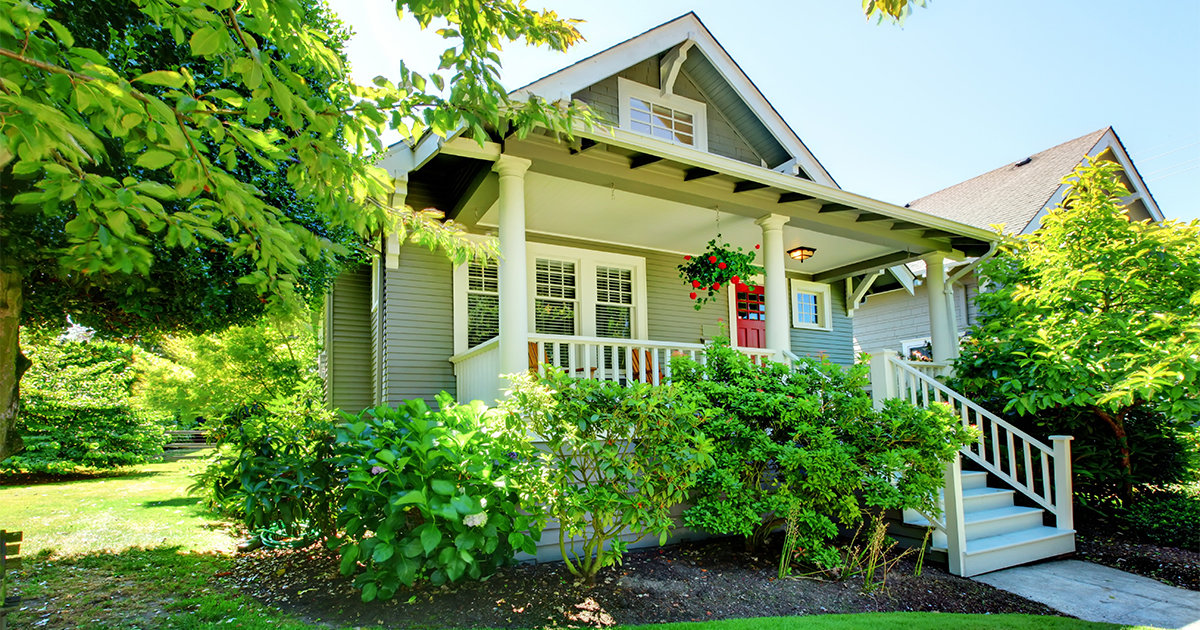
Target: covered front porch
(625, 204)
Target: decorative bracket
(669, 69)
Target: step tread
(986, 490)
(983, 516)
(1015, 539)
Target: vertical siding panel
(348, 341)
(419, 326)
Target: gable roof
(685, 28)
(1019, 193)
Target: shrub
(274, 466)
(804, 444)
(1165, 516)
(428, 496)
(76, 410)
(609, 460)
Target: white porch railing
(931, 369)
(1040, 472)
(604, 358)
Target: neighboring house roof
(687, 30)
(1019, 193)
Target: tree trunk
(1117, 424)
(12, 363)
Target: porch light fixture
(802, 253)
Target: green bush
(1166, 516)
(805, 444)
(607, 460)
(428, 496)
(76, 412)
(274, 466)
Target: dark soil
(689, 582)
(1170, 565)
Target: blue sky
(896, 113)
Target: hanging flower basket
(720, 264)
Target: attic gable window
(669, 117)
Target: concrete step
(1007, 550)
(973, 479)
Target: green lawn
(136, 552)
(146, 508)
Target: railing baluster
(572, 360)
(541, 358)
(1028, 465)
(1046, 476)
(995, 445)
(1012, 456)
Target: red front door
(751, 317)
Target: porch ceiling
(565, 207)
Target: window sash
(483, 301)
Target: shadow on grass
(40, 479)
(178, 502)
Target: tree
(1093, 317)
(70, 119)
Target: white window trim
(824, 304)
(586, 261)
(699, 111)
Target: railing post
(883, 380)
(1064, 493)
(956, 531)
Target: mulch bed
(688, 582)
(1170, 565)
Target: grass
(146, 508)
(135, 551)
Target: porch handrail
(476, 351)
(1051, 488)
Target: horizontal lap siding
(348, 341)
(838, 344)
(886, 319)
(671, 315)
(419, 326)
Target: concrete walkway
(1097, 593)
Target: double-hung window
(811, 306)
(483, 301)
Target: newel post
(883, 379)
(955, 519)
(1064, 493)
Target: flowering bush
(717, 266)
(428, 496)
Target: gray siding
(348, 341)
(418, 326)
(838, 344)
(723, 138)
(886, 319)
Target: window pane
(483, 318)
(639, 104)
(482, 276)
(555, 278)
(806, 308)
(640, 127)
(683, 118)
(683, 128)
(554, 317)
(639, 116)
(614, 285)
(665, 112)
(614, 321)
(684, 138)
(665, 134)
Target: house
(895, 313)
(591, 232)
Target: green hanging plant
(720, 264)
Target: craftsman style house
(591, 232)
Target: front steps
(999, 533)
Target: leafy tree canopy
(119, 162)
(1093, 312)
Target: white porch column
(940, 332)
(952, 317)
(514, 314)
(779, 321)
(391, 249)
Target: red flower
(712, 259)
(695, 284)
(756, 246)
(721, 265)
(692, 295)
(687, 257)
(717, 287)
(736, 280)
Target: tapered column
(952, 316)
(775, 286)
(514, 314)
(939, 323)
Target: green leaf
(162, 77)
(383, 551)
(386, 456)
(369, 592)
(206, 41)
(430, 537)
(155, 159)
(412, 496)
(442, 487)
